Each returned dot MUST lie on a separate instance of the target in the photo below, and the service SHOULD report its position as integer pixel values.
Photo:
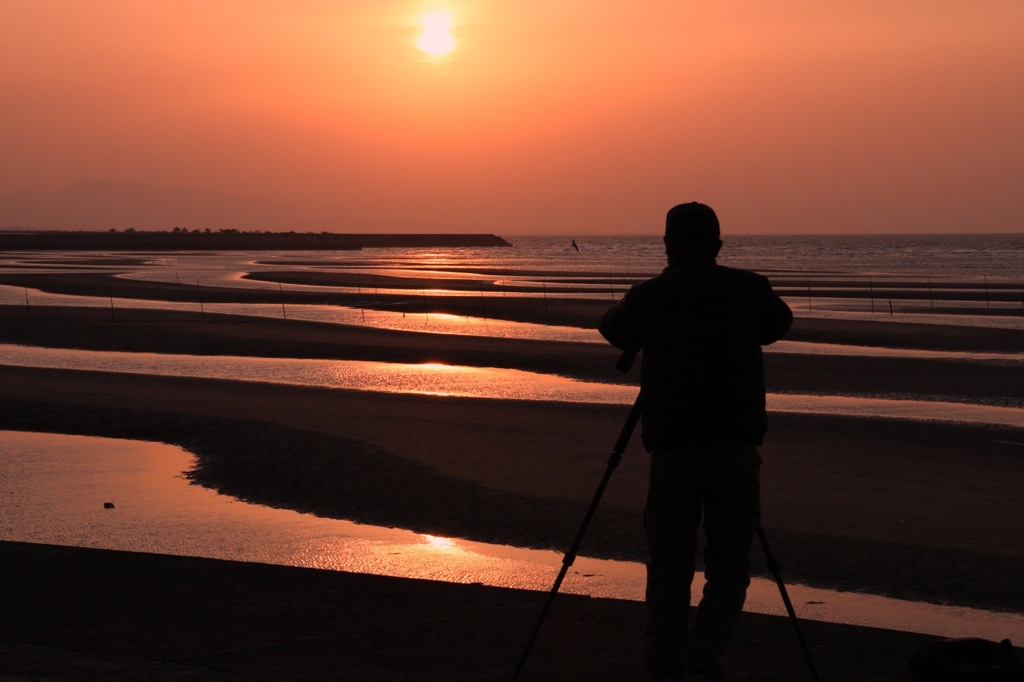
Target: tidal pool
(55, 486)
(475, 382)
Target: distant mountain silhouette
(102, 205)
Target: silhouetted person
(701, 327)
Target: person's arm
(775, 317)
(620, 325)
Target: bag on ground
(967, 660)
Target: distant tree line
(175, 240)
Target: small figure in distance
(574, 246)
(701, 327)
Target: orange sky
(549, 116)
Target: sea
(999, 257)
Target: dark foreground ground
(74, 614)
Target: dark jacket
(701, 327)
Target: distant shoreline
(46, 240)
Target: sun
(436, 39)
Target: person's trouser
(722, 481)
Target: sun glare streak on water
(57, 485)
(440, 543)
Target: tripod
(624, 363)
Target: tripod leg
(570, 556)
(773, 566)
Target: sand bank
(854, 287)
(548, 309)
(129, 616)
(231, 240)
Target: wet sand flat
(576, 283)
(835, 489)
(177, 332)
(129, 616)
(544, 307)
(371, 282)
(559, 311)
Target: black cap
(692, 225)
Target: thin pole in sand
(890, 305)
(871, 288)
(110, 292)
(28, 311)
(986, 290)
(809, 308)
(202, 312)
(544, 289)
(178, 281)
(280, 290)
(426, 310)
(931, 301)
(361, 311)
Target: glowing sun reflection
(440, 543)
